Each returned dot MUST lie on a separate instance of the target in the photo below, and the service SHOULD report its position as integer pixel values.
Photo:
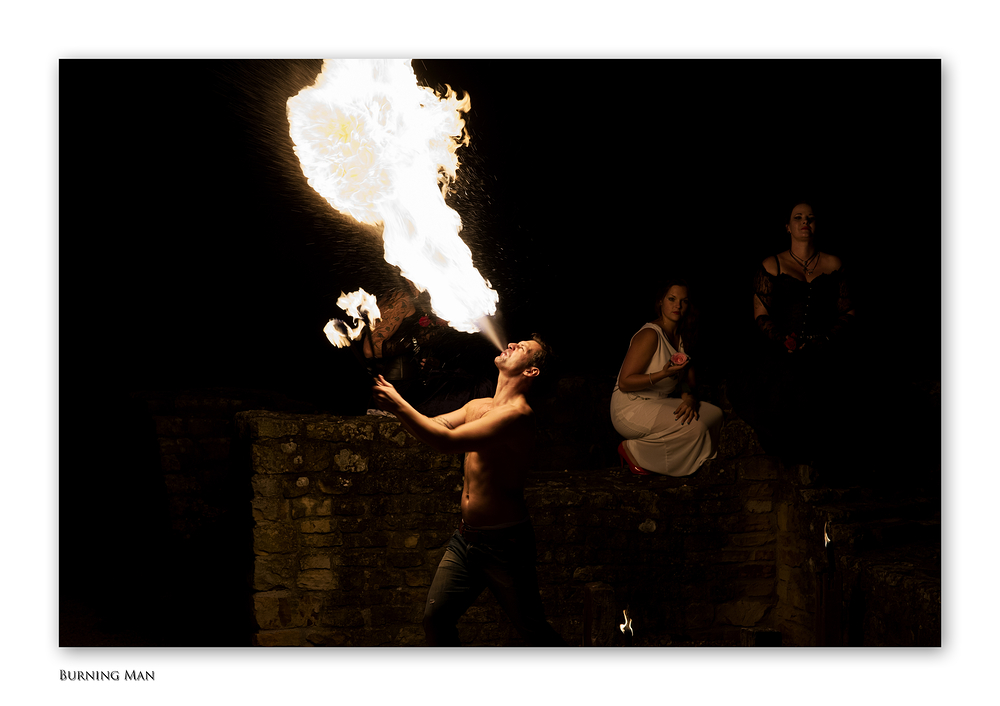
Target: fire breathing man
(494, 545)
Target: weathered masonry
(352, 516)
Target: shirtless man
(494, 545)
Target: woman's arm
(762, 300)
(632, 377)
(687, 410)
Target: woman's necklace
(805, 263)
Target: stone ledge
(662, 519)
(391, 514)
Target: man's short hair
(543, 358)
(547, 381)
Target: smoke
(491, 328)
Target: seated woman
(804, 313)
(665, 433)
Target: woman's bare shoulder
(644, 335)
(644, 343)
(832, 263)
(770, 264)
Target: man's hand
(386, 396)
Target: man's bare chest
(478, 410)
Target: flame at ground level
(627, 625)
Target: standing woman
(804, 312)
(667, 429)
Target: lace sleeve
(762, 287)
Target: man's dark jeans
(502, 560)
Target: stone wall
(290, 527)
(352, 516)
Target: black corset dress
(807, 309)
(797, 398)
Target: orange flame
(383, 150)
(627, 624)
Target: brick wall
(283, 526)
(352, 516)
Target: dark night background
(193, 254)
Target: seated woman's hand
(671, 370)
(687, 410)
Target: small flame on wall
(826, 535)
(627, 625)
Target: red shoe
(631, 466)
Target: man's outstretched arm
(447, 433)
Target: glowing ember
(361, 307)
(382, 149)
(627, 625)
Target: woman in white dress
(665, 433)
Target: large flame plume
(382, 149)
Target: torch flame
(360, 306)
(383, 150)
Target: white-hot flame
(826, 534)
(359, 305)
(382, 149)
(627, 624)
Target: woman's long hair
(688, 327)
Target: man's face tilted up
(519, 358)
